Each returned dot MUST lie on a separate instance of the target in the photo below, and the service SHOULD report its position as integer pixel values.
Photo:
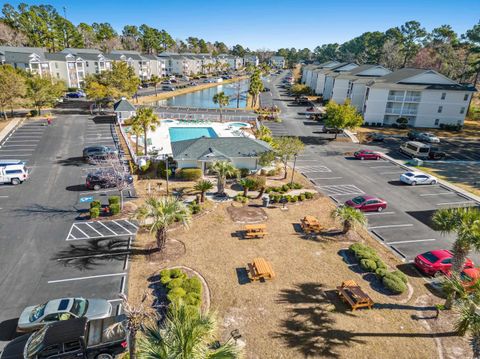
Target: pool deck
(160, 138)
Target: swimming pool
(190, 133)
(238, 124)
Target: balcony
(395, 98)
(411, 111)
(394, 110)
(412, 98)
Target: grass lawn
(298, 314)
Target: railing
(412, 99)
(133, 155)
(395, 98)
(213, 117)
(396, 111)
(409, 112)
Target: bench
(260, 268)
(255, 234)
(351, 293)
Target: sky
(271, 24)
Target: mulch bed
(174, 249)
(247, 214)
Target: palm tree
(186, 333)
(155, 80)
(465, 223)
(148, 121)
(247, 184)
(137, 130)
(469, 322)
(203, 186)
(135, 317)
(456, 289)
(222, 169)
(160, 213)
(222, 100)
(350, 217)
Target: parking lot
(37, 261)
(405, 225)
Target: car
(437, 262)
(173, 81)
(376, 137)
(166, 82)
(436, 154)
(98, 152)
(36, 316)
(413, 135)
(367, 155)
(106, 179)
(193, 83)
(326, 129)
(367, 203)
(14, 173)
(428, 137)
(266, 89)
(76, 94)
(414, 178)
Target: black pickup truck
(75, 338)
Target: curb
(8, 130)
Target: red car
(367, 155)
(367, 203)
(437, 262)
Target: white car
(428, 137)
(414, 178)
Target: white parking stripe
(108, 228)
(24, 145)
(118, 224)
(325, 178)
(88, 224)
(89, 277)
(86, 235)
(391, 226)
(337, 190)
(448, 203)
(17, 150)
(6, 155)
(389, 166)
(436, 194)
(413, 241)
(377, 213)
(391, 173)
(130, 223)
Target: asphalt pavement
(37, 261)
(405, 226)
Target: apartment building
(95, 61)
(424, 97)
(314, 76)
(31, 59)
(157, 65)
(277, 61)
(251, 60)
(234, 62)
(328, 78)
(135, 59)
(352, 84)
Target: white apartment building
(95, 61)
(234, 62)
(135, 59)
(31, 59)
(352, 84)
(251, 60)
(277, 61)
(314, 77)
(425, 97)
(330, 75)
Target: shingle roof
(123, 106)
(224, 147)
(21, 54)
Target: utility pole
(238, 94)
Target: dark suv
(106, 179)
(98, 152)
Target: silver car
(428, 137)
(35, 317)
(414, 178)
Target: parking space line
(89, 277)
(88, 224)
(5, 155)
(388, 166)
(118, 224)
(391, 173)
(130, 223)
(338, 190)
(436, 194)
(448, 203)
(325, 178)
(86, 235)
(391, 226)
(115, 233)
(377, 213)
(412, 241)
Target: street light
(293, 170)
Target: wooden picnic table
(311, 224)
(353, 294)
(255, 230)
(260, 268)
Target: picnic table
(351, 293)
(260, 268)
(255, 230)
(311, 224)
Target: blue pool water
(239, 124)
(190, 133)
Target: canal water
(204, 98)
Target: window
(440, 109)
(437, 121)
(444, 94)
(71, 346)
(58, 75)
(49, 351)
(11, 172)
(462, 110)
(447, 261)
(56, 65)
(465, 98)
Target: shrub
(380, 264)
(381, 272)
(302, 197)
(176, 294)
(364, 254)
(241, 198)
(114, 208)
(174, 283)
(94, 212)
(285, 188)
(394, 283)
(296, 185)
(272, 173)
(400, 275)
(177, 273)
(113, 200)
(194, 299)
(192, 285)
(368, 265)
(96, 204)
(161, 170)
(357, 246)
(145, 167)
(294, 199)
(259, 181)
(189, 174)
(165, 280)
(308, 195)
(33, 112)
(244, 172)
(194, 207)
(165, 273)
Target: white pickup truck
(13, 172)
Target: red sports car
(367, 155)
(367, 203)
(437, 262)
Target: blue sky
(271, 23)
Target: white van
(415, 149)
(14, 173)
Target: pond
(204, 98)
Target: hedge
(94, 212)
(96, 204)
(181, 288)
(381, 272)
(194, 207)
(401, 275)
(368, 265)
(113, 200)
(189, 174)
(114, 208)
(276, 198)
(284, 188)
(394, 283)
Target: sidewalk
(13, 123)
(444, 183)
